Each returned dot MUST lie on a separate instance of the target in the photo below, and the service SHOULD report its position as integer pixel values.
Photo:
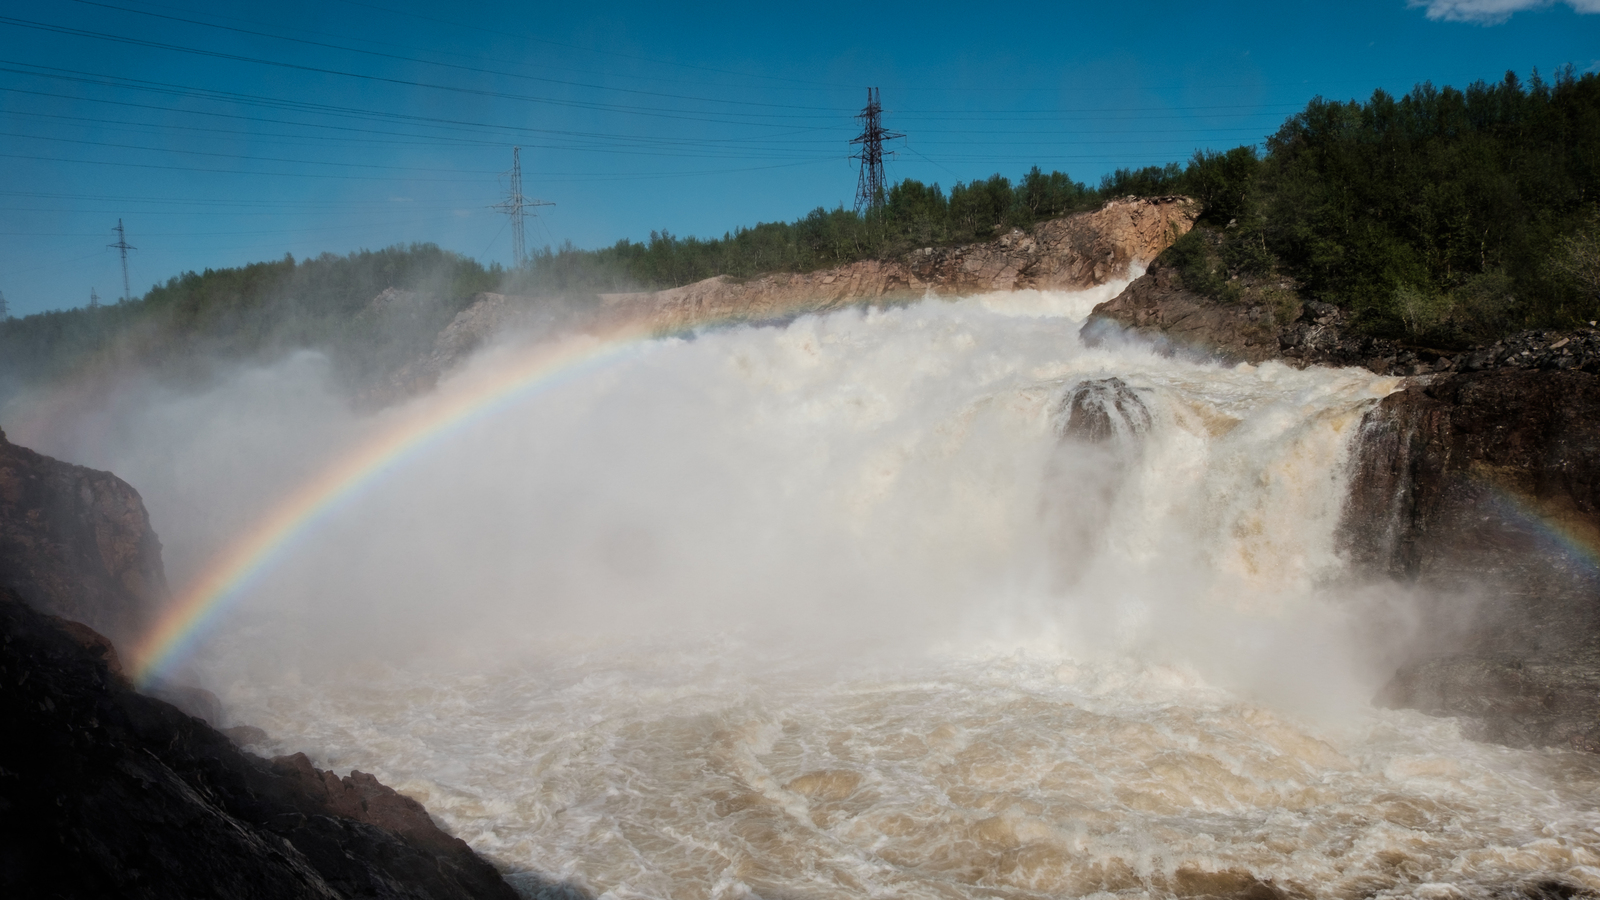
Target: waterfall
(925, 601)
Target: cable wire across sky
(221, 136)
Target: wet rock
(77, 543)
(246, 735)
(109, 793)
(1228, 884)
(1101, 425)
(1505, 699)
(1483, 488)
(1102, 410)
(196, 701)
(106, 792)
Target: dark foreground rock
(77, 543)
(1484, 489)
(107, 793)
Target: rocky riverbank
(1478, 482)
(106, 792)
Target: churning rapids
(831, 609)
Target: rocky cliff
(1270, 319)
(1072, 253)
(1478, 483)
(77, 543)
(1484, 490)
(106, 792)
(1075, 252)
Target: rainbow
(228, 576)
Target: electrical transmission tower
(870, 189)
(123, 245)
(94, 299)
(5, 311)
(515, 204)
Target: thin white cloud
(1492, 12)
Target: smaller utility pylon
(94, 299)
(5, 311)
(515, 205)
(123, 245)
(870, 188)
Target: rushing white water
(828, 610)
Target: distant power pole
(5, 311)
(870, 188)
(94, 299)
(515, 204)
(123, 245)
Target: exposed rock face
(1479, 482)
(1158, 307)
(1076, 252)
(1272, 321)
(105, 792)
(77, 543)
(108, 793)
(1072, 253)
(1486, 488)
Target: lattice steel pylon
(870, 189)
(123, 245)
(515, 204)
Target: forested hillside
(1445, 216)
(257, 311)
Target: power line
(395, 56)
(478, 92)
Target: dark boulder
(77, 543)
(1102, 410)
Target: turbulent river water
(829, 609)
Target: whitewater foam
(778, 612)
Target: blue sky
(228, 133)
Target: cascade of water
(928, 602)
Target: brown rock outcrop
(77, 543)
(1075, 252)
(1158, 307)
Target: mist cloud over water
(833, 608)
(852, 486)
